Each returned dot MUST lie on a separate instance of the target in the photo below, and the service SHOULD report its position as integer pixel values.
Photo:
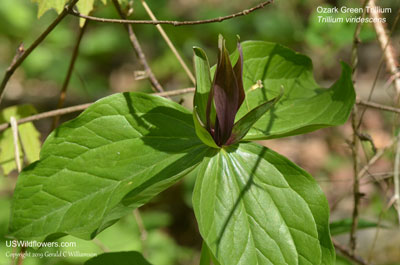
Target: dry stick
(22, 54)
(138, 49)
(14, 127)
(81, 107)
(380, 64)
(142, 230)
(64, 88)
(170, 22)
(346, 252)
(392, 66)
(377, 106)
(355, 142)
(169, 43)
(396, 178)
(384, 40)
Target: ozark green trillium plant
(253, 206)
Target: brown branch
(138, 49)
(374, 105)
(22, 54)
(170, 44)
(170, 22)
(387, 47)
(355, 141)
(64, 88)
(346, 252)
(81, 107)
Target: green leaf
(84, 7)
(305, 106)
(241, 127)
(120, 258)
(201, 132)
(254, 206)
(203, 83)
(344, 226)
(44, 5)
(29, 138)
(119, 153)
(206, 256)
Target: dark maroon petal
(238, 69)
(226, 94)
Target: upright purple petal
(238, 69)
(226, 94)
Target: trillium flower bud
(216, 103)
(227, 93)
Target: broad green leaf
(253, 206)
(344, 226)
(118, 154)
(305, 106)
(29, 138)
(120, 258)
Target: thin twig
(355, 141)
(169, 43)
(64, 88)
(142, 230)
(81, 107)
(100, 244)
(170, 22)
(396, 178)
(21, 256)
(138, 49)
(346, 252)
(387, 47)
(377, 106)
(22, 54)
(14, 127)
(384, 51)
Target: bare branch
(374, 105)
(22, 54)
(387, 47)
(142, 230)
(64, 88)
(81, 107)
(170, 22)
(346, 252)
(355, 141)
(138, 49)
(169, 43)
(14, 127)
